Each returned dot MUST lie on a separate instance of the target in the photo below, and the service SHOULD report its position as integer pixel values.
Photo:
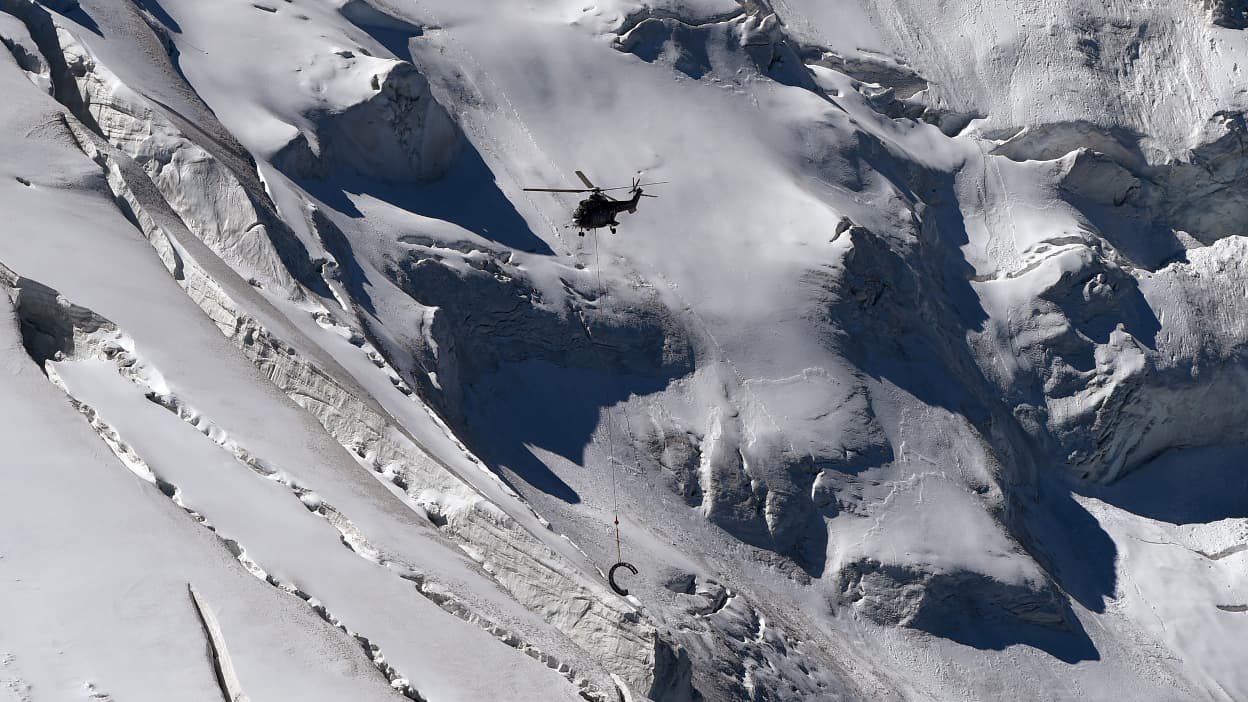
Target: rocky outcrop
(935, 602)
(760, 491)
(1232, 14)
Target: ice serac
(15, 37)
(236, 220)
(1110, 364)
(619, 636)
(232, 218)
(939, 603)
(172, 648)
(349, 104)
(51, 325)
(397, 134)
(1108, 177)
(488, 312)
(538, 577)
(705, 40)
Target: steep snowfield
(921, 379)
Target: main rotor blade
(648, 195)
(633, 187)
(556, 190)
(585, 180)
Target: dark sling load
(611, 577)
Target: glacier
(922, 378)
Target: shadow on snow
(1184, 486)
(467, 195)
(537, 404)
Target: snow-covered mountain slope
(921, 379)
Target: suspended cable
(615, 500)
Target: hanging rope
(615, 500)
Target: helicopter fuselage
(598, 210)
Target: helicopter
(600, 209)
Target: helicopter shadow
(467, 195)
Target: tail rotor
(636, 188)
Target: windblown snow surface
(922, 379)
